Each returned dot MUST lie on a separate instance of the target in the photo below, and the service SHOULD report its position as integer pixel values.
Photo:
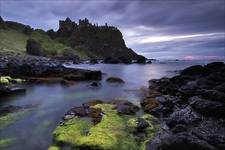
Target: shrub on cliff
(34, 48)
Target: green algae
(47, 123)
(7, 80)
(112, 133)
(54, 148)
(10, 118)
(5, 142)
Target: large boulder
(141, 60)
(114, 80)
(184, 116)
(215, 66)
(194, 70)
(207, 107)
(34, 48)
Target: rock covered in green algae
(5, 142)
(112, 133)
(11, 117)
(7, 80)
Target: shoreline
(164, 100)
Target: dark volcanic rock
(142, 124)
(32, 66)
(184, 116)
(97, 40)
(95, 85)
(194, 70)
(114, 80)
(141, 60)
(125, 107)
(110, 60)
(207, 107)
(215, 66)
(177, 141)
(34, 48)
(211, 95)
(192, 105)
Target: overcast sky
(163, 29)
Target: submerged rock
(114, 80)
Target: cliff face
(102, 41)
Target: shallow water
(33, 131)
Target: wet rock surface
(114, 80)
(192, 107)
(32, 66)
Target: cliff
(101, 41)
(83, 39)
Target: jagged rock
(211, 131)
(181, 140)
(184, 116)
(194, 70)
(207, 107)
(215, 66)
(141, 59)
(211, 95)
(31, 66)
(125, 107)
(34, 48)
(97, 40)
(95, 85)
(142, 124)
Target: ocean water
(33, 130)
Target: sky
(161, 29)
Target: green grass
(52, 47)
(12, 41)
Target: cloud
(155, 28)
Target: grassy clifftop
(14, 38)
(84, 39)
